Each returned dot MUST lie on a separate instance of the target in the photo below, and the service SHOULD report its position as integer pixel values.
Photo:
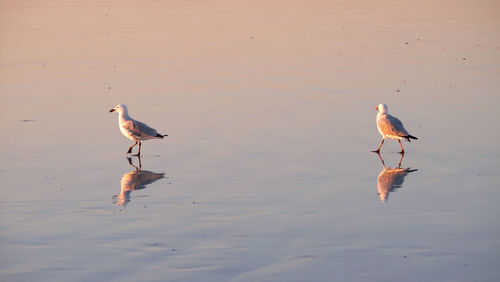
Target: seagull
(133, 129)
(391, 127)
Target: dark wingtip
(161, 136)
(409, 136)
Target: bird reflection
(391, 179)
(135, 180)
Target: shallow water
(266, 174)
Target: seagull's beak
(112, 110)
(375, 109)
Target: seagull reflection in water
(391, 179)
(137, 179)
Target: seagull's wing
(139, 129)
(145, 129)
(390, 125)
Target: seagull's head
(120, 109)
(382, 108)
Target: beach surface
(267, 172)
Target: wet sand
(266, 174)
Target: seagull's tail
(161, 136)
(408, 137)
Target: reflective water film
(267, 172)
(137, 179)
(391, 179)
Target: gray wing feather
(140, 130)
(392, 126)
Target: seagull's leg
(130, 149)
(378, 149)
(402, 150)
(139, 152)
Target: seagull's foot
(376, 151)
(136, 155)
(129, 151)
(402, 153)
